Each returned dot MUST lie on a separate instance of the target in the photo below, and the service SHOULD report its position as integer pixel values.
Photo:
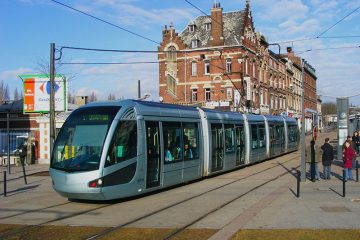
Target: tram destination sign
(37, 93)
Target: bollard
(298, 184)
(344, 182)
(24, 173)
(4, 183)
(357, 171)
(312, 161)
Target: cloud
(10, 75)
(119, 80)
(282, 9)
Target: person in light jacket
(327, 158)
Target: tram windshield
(80, 142)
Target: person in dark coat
(348, 156)
(327, 158)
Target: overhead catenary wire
(313, 38)
(338, 22)
(326, 49)
(104, 21)
(106, 63)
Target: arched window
(171, 54)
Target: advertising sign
(37, 93)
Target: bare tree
(4, 92)
(71, 97)
(328, 108)
(93, 97)
(16, 94)
(111, 97)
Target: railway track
(21, 230)
(118, 227)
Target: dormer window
(208, 26)
(192, 27)
(194, 43)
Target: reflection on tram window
(124, 143)
(254, 136)
(79, 144)
(262, 136)
(229, 139)
(172, 141)
(191, 141)
(293, 133)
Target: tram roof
(212, 114)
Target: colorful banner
(37, 93)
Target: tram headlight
(96, 183)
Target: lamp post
(303, 143)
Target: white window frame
(228, 65)
(193, 68)
(171, 84)
(207, 26)
(207, 94)
(229, 93)
(194, 43)
(207, 67)
(194, 95)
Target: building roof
(12, 107)
(232, 25)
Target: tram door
(153, 154)
(272, 139)
(217, 141)
(282, 137)
(240, 145)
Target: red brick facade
(221, 62)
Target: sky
(27, 27)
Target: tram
(126, 148)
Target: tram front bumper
(76, 185)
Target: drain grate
(335, 209)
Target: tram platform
(252, 204)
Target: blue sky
(29, 26)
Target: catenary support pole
(52, 96)
(303, 143)
(4, 183)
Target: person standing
(348, 156)
(327, 158)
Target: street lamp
(303, 143)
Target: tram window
(229, 139)
(254, 136)
(262, 136)
(191, 141)
(292, 133)
(124, 143)
(172, 141)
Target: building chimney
(290, 53)
(217, 36)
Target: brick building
(219, 61)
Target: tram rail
(107, 231)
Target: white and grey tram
(120, 149)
